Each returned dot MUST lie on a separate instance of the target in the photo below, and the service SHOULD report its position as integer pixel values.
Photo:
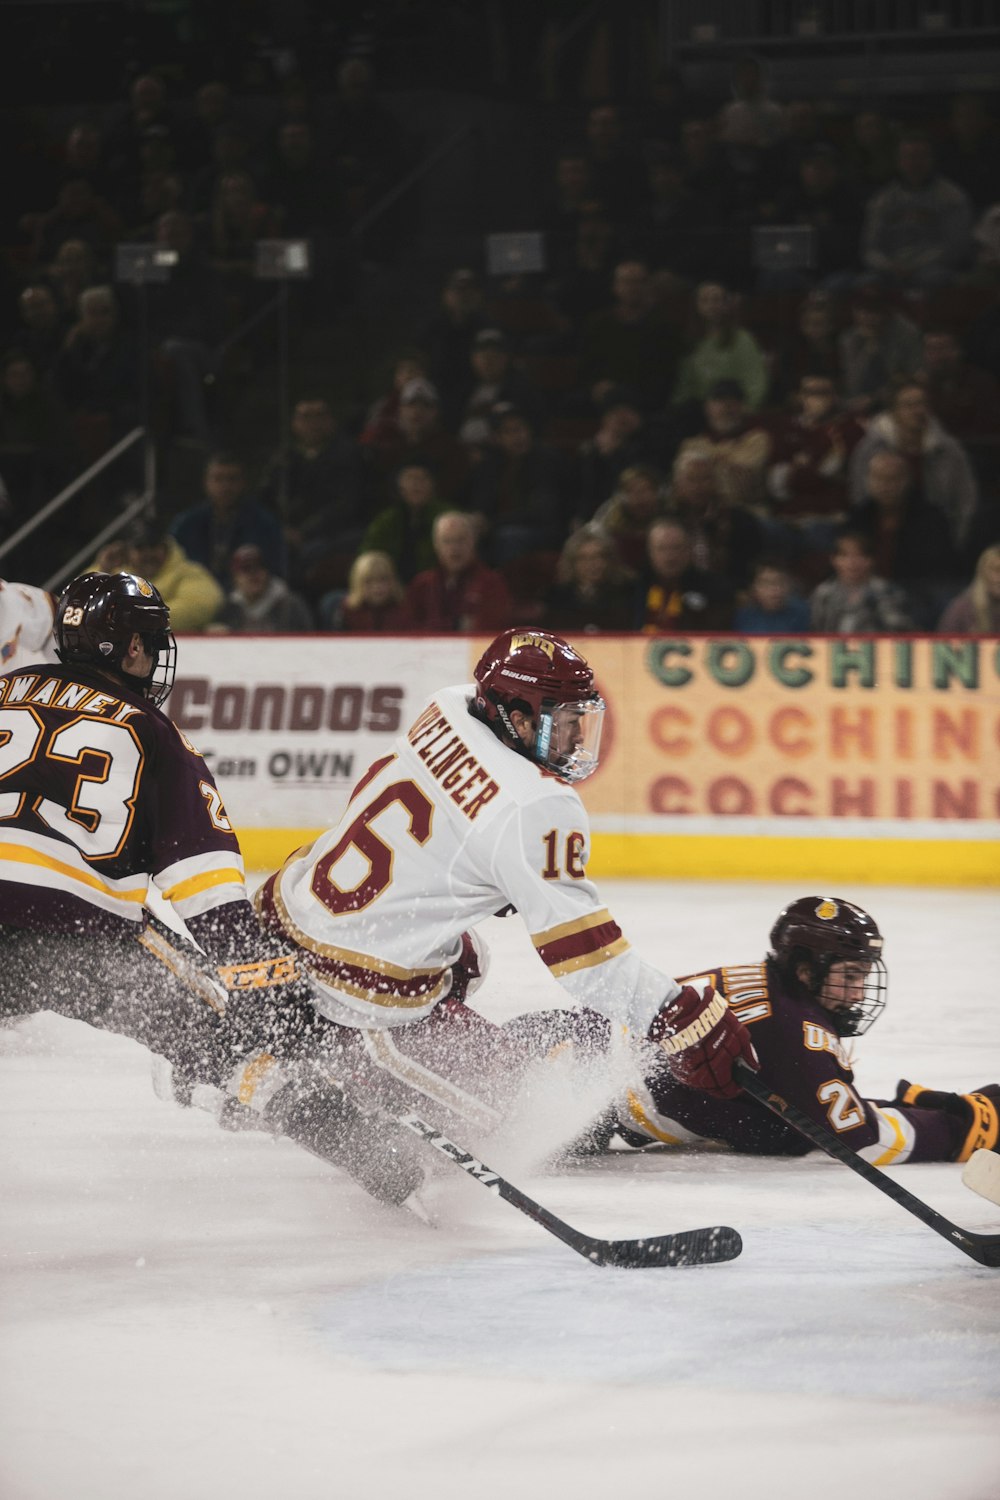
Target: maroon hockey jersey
(99, 793)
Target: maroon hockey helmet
(542, 676)
(97, 617)
(820, 931)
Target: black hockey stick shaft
(984, 1248)
(686, 1248)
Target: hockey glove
(702, 1039)
(975, 1118)
(270, 1005)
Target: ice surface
(186, 1313)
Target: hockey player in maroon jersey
(823, 981)
(100, 796)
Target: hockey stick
(687, 1248)
(984, 1248)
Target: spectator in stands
(619, 443)
(627, 515)
(447, 337)
(911, 539)
(78, 213)
(375, 602)
(403, 529)
(519, 488)
(712, 184)
(573, 200)
(185, 323)
(772, 607)
(579, 289)
(879, 348)
(213, 111)
(381, 426)
(753, 118)
(976, 610)
(316, 488)
(71, 271)
(739, 447)
(725, 537)
(674, 225)
(460, 592)
(148, 120)
(230, 153)
(259, 603)
(630, 343)
(614, 164)
(423, 441)
(193, 596)
(963, 398)
(810, 349)
(871, 151)
(226, 519)
(855, 600)
(939, 464)
(368, 151)
(35, 442)
(593, 589)
(96, 371)
(807, 471)
(301, 186)
(971, 148)
(672, 593)
(722, 350)
(820, 198)
(237, 219)
(495, 381)
(42, 330)
(918, 228)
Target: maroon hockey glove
(469, 969)
(702, 1039)
(974, 1116)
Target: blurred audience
(189, 590)
(259, 603)
(976, 610)
(460, 592)
(722, 350)
(375, 601)
(228, 519)
(403, 529)
(855, 600)
(772, 606)
(672, 593)
(593, 589)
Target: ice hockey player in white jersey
(474, 810)
(26, 615)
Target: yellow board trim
(655, 856)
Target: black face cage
(163, 648)
(856, 1019)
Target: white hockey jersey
(26, 615)
(438, 836)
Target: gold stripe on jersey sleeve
(589, 960)
(195, 884)
(344, 955)
(20, 854)
(568, 929)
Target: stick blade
(692, 1247)
(981, 1173)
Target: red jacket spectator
(461, 593)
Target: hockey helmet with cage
(540, 675)
(816, 932)
(96, 618)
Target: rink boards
(723, 757)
